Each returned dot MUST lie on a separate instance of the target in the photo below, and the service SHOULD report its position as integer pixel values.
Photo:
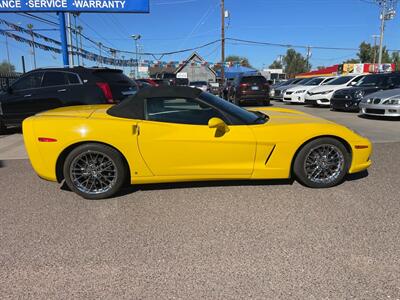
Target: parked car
(280, 91)
(149, 81)
(250, 88)
(202, 85)
(45, 89)
(350, 98)
(383, 103)
(322, 95)
(202, 137)
(213, 88)
(297, 94)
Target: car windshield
(246, 116)
(315, 81)
(303, 81)
(341, 80)
(254, 79)
(370, 80)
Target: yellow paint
(166, 152)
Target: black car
(250, 88)
(348, 99)
(45, 89)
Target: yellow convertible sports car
(172, 134)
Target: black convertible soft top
(133, 106)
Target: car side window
(53, 78)
(73, 78)
(180, 110)
(30, 81)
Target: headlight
(367, 100)
(300, 92)
(272, 92)
(327, 92)
(359, 94)
(392, 102)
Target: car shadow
(357, 176)
(381, 118)
(202, 184)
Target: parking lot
(268, 239)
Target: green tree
(276, 65)
(295, 63)
(396, 60)
(5, 67)
(368, 54)
(244, 61)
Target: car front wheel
(322, 163)
(95, 171)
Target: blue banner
(114, 6)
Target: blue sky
(178, 24)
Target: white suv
(297, 94)
(322, 95)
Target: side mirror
(218, 124)
(353, 83)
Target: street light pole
(30, 27)
(374, 58)
(136, 37)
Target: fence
(6, 79)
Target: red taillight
(47, 140)
(244, 85)
(105, 88)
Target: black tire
(97, 173)
(309, 162)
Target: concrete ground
(228, 240)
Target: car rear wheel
(95, 171)
(322, 163)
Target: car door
(175, 140)
(54, 91)
(19, 102)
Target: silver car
(382, 103)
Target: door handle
(62, 90)
(135, 129)
(28, 95)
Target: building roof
(195, 56)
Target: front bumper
(345, 104)
(380, 110)
(294, 98)
(361, 156)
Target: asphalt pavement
(225, 240)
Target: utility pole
(79, 29)
(374, 56)
(69, 38)
(76, 38)
(30, 27)
(100, 58)
(222, 45)
(388, 12)
(308, 57)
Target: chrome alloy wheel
(324, 164)
(93, 172)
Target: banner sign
(99, 6)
